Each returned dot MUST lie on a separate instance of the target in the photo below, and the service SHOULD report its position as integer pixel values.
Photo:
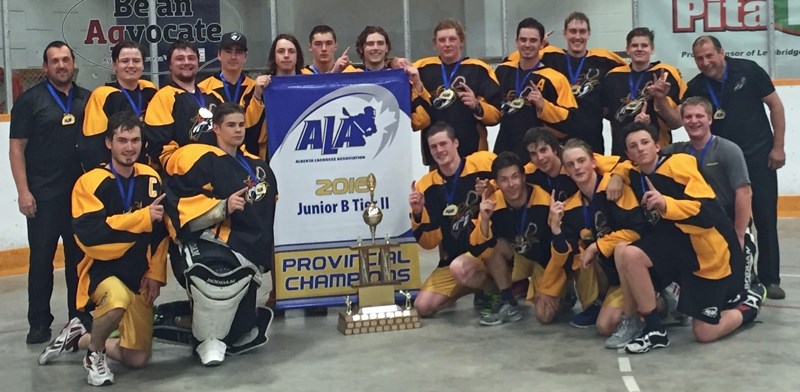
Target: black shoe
(774, 291)
(319, 311)
(38, 335)
(648, 341)
(263, 321)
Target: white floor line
(621, 350)
(630, 383)
(624, 364)
(790, 276)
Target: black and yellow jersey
(562, 184)
(171, 120)
(452, 230)
(624, 95)
(202, 177)
(118, 240)
(253, 108)
(693, 209)
(470, 128)
(104, 102)
(557, 114)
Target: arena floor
(450, 352)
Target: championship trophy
(376, 310)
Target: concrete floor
(450, 352)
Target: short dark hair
(180, 45)
(57, 44)
(506, 159)
(439, 127)
(636, 127)
(321, 29)
(125, 45)
(225, 109)
(537, 135)
(125, 120)
(272, 67)
(641, 32)
(704, 39)
(361, 40)
(531, 23)
(577, 15)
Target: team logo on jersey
(256, 188)
(202, 123)
(740, 84)
(467, 211)
(345, 122)
(586, 83)
(527, 240)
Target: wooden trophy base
(377, 312)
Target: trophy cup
(376, 310)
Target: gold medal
(576, 89)
(719, 114)
(261, 190)
(68, 119)
(513, 106)
(450, 210)
(445, 99)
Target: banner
(326, 134)
(740, 25)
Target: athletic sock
(508, 296)
(748, 314)
(652, 321)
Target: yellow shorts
(613, 298)
(441, 281)
(136, 326)
(585, 280)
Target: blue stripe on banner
(336, 300)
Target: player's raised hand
(467, 97)
(156, 209)
(535, 97)
(487, 203)
(342, 62)
(416, 199)
(236, 201)
(556, 213)
(643, 117)
(653, 199)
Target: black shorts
(610, 269)
(672, 256)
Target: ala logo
(353, 122)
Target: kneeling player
(444, 204)
(117, 221)
(691, 242)
(221, 201)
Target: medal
(576, 89)
(518, 102)
(512, 106)
(445, 99)
(719, 114)
(450, 210)
(447, 96)
(67, 119)
(586, 235)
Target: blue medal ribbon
(448, 81)
(235, 98)
(552, 182)
(641, 178)
(137, 109)
(573, 77)
(701, 155)
(634, 89)
(450, 194)
(66, 108)
(127, 200)
(717, 101)
(519, 82)
(313, 69)
(198, 97)
(243, 162)
(523, 221)
(588, 208)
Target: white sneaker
(65, 342)
(96, 365)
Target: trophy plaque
(376, 310)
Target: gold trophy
(376, 310)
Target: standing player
(533, 94)
(129, 92)
(444, 204)
(322, 45)
(117, 215)
(626, 94)
(458, 90)
(180, 111)
(46, 122)
(232, 85)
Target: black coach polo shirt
(746, 122)
(51, 156)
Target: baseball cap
(233, 38)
